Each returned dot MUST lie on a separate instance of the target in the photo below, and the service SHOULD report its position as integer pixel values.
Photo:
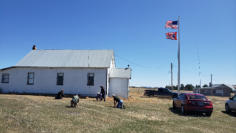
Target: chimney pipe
(34, 47)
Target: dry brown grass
(26, 113)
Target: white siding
(119, 86)
(75, 80)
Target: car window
(234, 98)
(193, 97)
(166, 90)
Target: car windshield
(193, 97)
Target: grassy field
(26, 113)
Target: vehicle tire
(208, 114)
(174, 106)
(227, 108)
(182, 110)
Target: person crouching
(118, 103)
(60, 94)
(74, 101)
(99, 96)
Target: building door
(119, 87)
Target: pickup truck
(164, 92)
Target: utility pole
(211, 80)
(171, 71)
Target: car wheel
(208, 114)
(227, 108)
(182, 110)
(174, 106)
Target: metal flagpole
(171, 70)
(178, 56)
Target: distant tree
(168, 87)
(205, 85)
(198, 86)
(210, 85)
(175, 87)
(181, 86)
(171, 87)
(189, 87)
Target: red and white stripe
(170, 25)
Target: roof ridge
(68, 58)
(77, 49)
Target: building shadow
(191, 114)
(230, 114)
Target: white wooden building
(76, 71)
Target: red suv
(188, 102)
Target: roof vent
(127, 67)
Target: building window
(5, 78)
(60, 78)
(90, 79)
(30, 78)
(220, 91)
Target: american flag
(171, 24)
(171, 35)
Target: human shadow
(230, 113)
(67, 106)
(191, 114)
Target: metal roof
(120, 73)
(219, 86)
(67, 58)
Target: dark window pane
(5, 78)
(60, 78)
(90, 79)
(30, 78)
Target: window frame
(3, 77)
(58, 80)
(28, 78)
(89, 82)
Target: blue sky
(134, 29)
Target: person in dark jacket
(60, 94)
(103, 93)
(118, 103)
(99, 96)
